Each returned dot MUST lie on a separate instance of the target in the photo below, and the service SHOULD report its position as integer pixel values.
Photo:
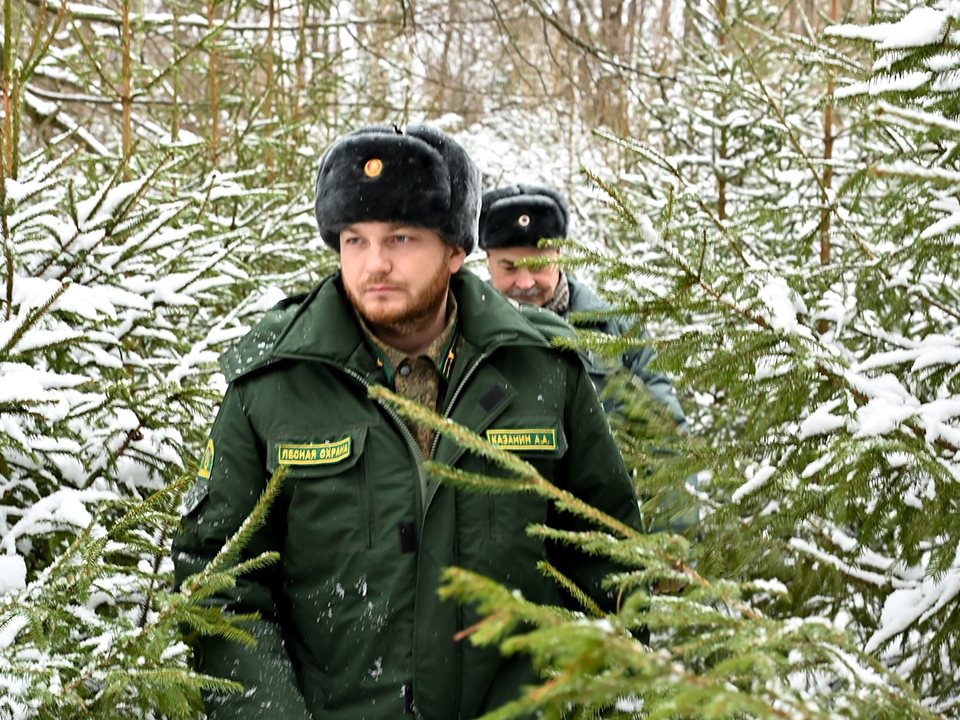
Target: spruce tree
(815, 322)
(827, 383)
(135, 247)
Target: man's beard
(421, 311)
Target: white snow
(100, 208)
(758, 479)
(62, 506)
(822, 421)
(905, 607)
(782, 303)
(13, 574)
(921, 26)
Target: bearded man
(349, 621)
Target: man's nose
(377, 261)
(525, 279)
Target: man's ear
(457, 256)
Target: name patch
(526, 439)
(314, 453)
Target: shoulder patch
(206, 462)
(201, 485)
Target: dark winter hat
(418, 176)
(522, 215)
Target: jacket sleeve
(593, 471)
(213, 510)
(657, 384)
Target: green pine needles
(825, 384)
(96, 634)
(714, 650)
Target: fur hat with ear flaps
(520, 215)
(418, 177)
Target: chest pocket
(538, 439)
(328, 486)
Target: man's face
(521, 283)
(397, 276)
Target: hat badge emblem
(373, 167)
(523, 220)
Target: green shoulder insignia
(206, 462)
(201, 485)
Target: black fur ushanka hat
(520, 215)
(418, 176)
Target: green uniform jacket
(351, 624)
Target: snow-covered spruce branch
(849, 382)
(674, 171)
(31, 317)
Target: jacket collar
(583, 299)
(324, 327)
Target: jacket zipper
(456, 393)
(395, 416)
(405, 431)
(419, 460)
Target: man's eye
(351, 240)
(401, 238)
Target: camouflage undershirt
(561, 296)
(422, 379)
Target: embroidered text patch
(526, 439)
(314, 453)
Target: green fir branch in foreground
(132, 655)
(713, 652)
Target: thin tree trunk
(8, 43)
(665, 24)
(125, 98)
(268, 99)
(214, 129)
(722, 150)
(828, 137)
(175, 117)
(301, 59)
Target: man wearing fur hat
(350, 624)
(513, 220)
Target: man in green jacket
(513, 220)
(350, 623)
